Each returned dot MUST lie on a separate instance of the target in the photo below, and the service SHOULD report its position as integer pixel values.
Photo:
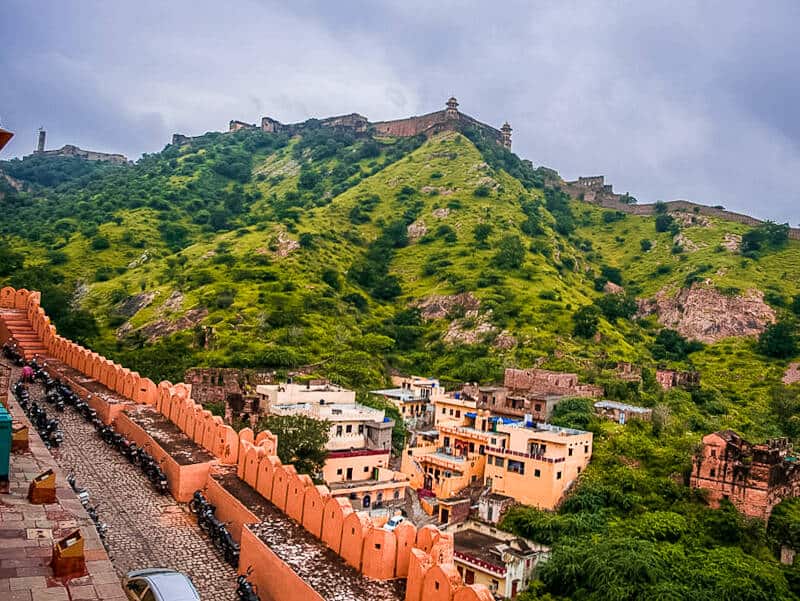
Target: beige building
(499, 560)
(413, 396)
(359, 442)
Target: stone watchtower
(506, 131)
(40, 145)
(451, 112)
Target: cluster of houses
(475, 452)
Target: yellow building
(452, 408)
(532, 463)
(537, 463)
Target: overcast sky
(667, 99)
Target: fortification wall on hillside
(423, 557)
(595, 191)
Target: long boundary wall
(424, 557)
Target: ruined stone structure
(448, 119)
(545, 382)
(220, 384)
(668, 378)
(593, 189)
(69, 150)
(754, 478)
(287, 527)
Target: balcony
(510, 453)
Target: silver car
(159, 584)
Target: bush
(510, 253)
(670, 345)
(645, 245)
(778, 340)
(585, 321)
(615, 306)
(482, 231)
(664, 222)
(481, 191)
(100, 243)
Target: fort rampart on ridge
(301, 542)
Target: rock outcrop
(704, 313)
(440, 306)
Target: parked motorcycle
(246, 590)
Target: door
(514, 587)
(349, 473)
(366, 501)
(445, 515)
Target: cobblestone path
(145, 529)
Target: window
(338, 430)
(366, 468)
(458, 412)
(713, 452)
(339, 472)
(396, 494)
(516, 466)
(436, 585)
(538, 407)
(451, 412)
(494, 441)
(377, 545)
(349, 428)
(444, 410)
(490, 459)
(537, 473)
(570, 453)
(469, 577)
(558, 475)
(713, 473)
(472, 447)
(481, 450)
(360, 428)
(586, 448)
(499, 461)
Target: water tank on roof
(457, 395)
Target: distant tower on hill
(42, 136)
(506, 131)
(451, 112)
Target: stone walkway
(145, 529)
(27, 534)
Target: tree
(670, 345)
(795, 304)
(645, 244)
(301, 441)
(10, 260)
(778, 340)
(585, 321)
(482, 231)
(614, 306)
(510, 253)
(664, 222)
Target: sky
(668, 100)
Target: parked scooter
(81, 493)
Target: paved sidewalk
(27, 533)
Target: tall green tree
(301, 441)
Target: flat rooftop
(401, 394)
(478, 545)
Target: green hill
(450, 257)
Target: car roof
(168, 585)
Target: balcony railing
(511, 453)
(495, 569)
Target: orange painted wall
(229, 508)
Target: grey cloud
(687, 100)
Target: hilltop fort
(69, 150)
(448, 119)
